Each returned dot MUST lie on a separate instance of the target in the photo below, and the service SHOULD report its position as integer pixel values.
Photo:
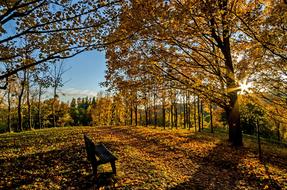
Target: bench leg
(95, 169)
(113, 164)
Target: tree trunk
(211, 122)
(39, 107)
(194, 113)
(233, 111)
(198, 114)
(28, 103)
(140, 113)
(163, 112)
(171, 115)
(202, 114)
(149, 115)
(9, 109)
(53, 106)
(258, 140)
(233, 119)
(131, 116)
(154, 111)
(19, 107)
(184, 111)
(188, 112)
(176, 116)
(146, 116)
(278, 131)
(136, 115)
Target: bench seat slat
(104, 154)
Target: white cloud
(73, 92)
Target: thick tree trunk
(233, 119)
(235, 133)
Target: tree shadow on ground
(64, 168)
(218, 170)
(221, 169)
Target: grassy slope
(148, 159)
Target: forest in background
(175, 109)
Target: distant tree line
(176, 109)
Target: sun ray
(245, 86)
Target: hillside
(149, 158)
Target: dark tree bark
(184, 112)
(202, 114)
(194, 113)
(131, 115)
(188, 111)
(154, 110)
(53, 105)
(28, 102)
(172, 115)
(19, 107)
(176, 116)
(258, 140)
(211, 122)
(163, 112)
(9, 109)
(136, 115)
(198, 114)
(278, 131)
(146, 115)
(235, 133)
(39, 107)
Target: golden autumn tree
(54, 30)
(210, 47)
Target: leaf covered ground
(148, 159)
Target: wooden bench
(99, 154)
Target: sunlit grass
(149, 158)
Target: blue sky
(86, 71)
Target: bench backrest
(98, 150)
(104, 154)
(90, 148)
